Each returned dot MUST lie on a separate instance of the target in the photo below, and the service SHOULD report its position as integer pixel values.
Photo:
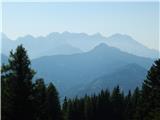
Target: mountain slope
(128, 44)
(68, 71)
(127, 77)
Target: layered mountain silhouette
(79, 70)
(67, 43)
(79, 63)
(40, 46)
(127, 77)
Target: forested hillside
(24, 98)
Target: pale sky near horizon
(137, 19)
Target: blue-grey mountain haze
(70, 43)
(127, 77)
(78, 70)
(85, 62)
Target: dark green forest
(23, 98)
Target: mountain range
(79, 64)
(67, 43)
(40, 46)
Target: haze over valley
(86, 62)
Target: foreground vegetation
(23, 99)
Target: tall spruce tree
(6, 98)
(52, 104)
(39, 97)
(65, 109)
(128, 106)
(151, 93)
(18, 74)
(136, 104)
(104, 105)
(117, 101)
(88, 108)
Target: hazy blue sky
(138, 19)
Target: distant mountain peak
(66, 32)
(26, 37)
(101, 46)
(53, 33)
(97, 35)
(124, 36)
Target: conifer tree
(104, 105)
(151, 92)
(117, 101)
(19, 76)
(88, 108)
(52, 104)
(128, 106)
(6, 99)
(65, 109)
(39, 97)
